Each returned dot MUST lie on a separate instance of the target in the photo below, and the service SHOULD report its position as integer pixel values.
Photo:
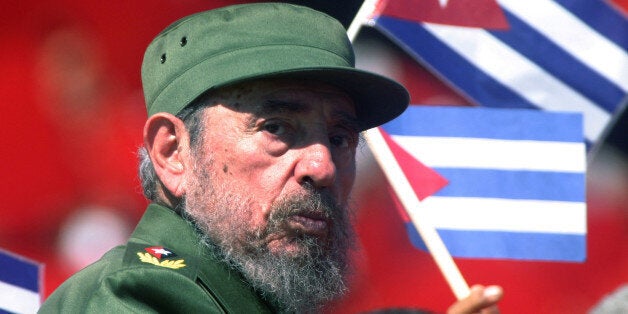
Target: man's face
(271, 177)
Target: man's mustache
(321, 204)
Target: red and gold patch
(154, 255)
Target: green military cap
(217, 48)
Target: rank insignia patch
(154, 255)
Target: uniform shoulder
(132, 279)
(84, 282)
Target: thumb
(480, 300)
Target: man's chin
(294, 246)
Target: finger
(480, 298)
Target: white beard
(295, 282)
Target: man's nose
(316, 166)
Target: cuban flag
(513, 182)
(558, 55)
(20, 284)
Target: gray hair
(192, 118)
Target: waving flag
(516, 179)
(556, 55)
(19, 284)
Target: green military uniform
(163, 268)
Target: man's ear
(166, 140)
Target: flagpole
(363, 15)
(416, 212)
(400, 184)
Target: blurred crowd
(72, 115)
(71, 130)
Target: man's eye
(274, 128)
(339, 141)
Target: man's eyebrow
(348, 121)
(281, 106)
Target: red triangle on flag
(424, 180)
(470, 13)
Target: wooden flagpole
(399, 182)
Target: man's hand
(481, 300)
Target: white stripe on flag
(575, 36)
(448, 152)
(524, 77)
(491, 214)
(18, 300)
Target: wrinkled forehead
(281, 93)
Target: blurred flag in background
(20, 284)
(554, 55)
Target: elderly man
(248, 161)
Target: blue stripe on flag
(19, 272)
(510, 245)
(600, 16)
(509, 184)
(463, 75)
(488, 123)
(562, 65)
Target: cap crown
(232, 44)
